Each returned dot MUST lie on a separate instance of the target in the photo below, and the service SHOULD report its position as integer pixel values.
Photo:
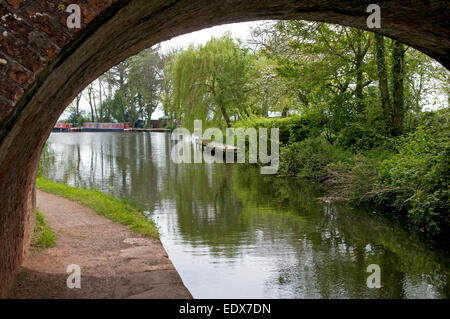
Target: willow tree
(208, 82)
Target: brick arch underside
(44, 65)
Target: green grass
(116, 209)
(43, 236)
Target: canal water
(234, 233)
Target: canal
(234, 233)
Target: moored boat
(62, 127)
(104, 127)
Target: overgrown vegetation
(348, 105)
(116, 209)
(43, 236)
(405, 177)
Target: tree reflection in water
(232, 232)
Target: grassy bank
(405, 177)
(116, 209)
(43, 236)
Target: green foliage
(144, 84)
(46, 156)
(359, 137)
(421, 168)
(292, 129)
(118, 210)
(356, 179)
(127, 92)
(117, 106)
(406, 176)
(43, 236)
(75, 116)
(170, 127)
(207, 83)
(268, 92)
(309, 158)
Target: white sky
(238, 30)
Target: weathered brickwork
(44, 64)
(32, 33)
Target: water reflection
(234, 233)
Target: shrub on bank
(356, 179)
(309, 158)
(292, 129)
(358, 137)
(421, 167)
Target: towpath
(114, 261)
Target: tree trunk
(101, 100)
(265, 111)
(383, 79)
(359, 83)
(303, 98)
(77, 107)
(398, 74)
(225, 116)
(90, 104)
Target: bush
(309, 158)
(358, 137)
(355, 180)
(170, 127)
(431, 119)
(292, 129)
(421, 168)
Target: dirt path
(115, 262)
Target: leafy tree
(208, 82)
(145, 83)
(326, 67)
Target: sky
(238, 30)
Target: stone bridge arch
(43, 65)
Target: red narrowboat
(62, 127)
